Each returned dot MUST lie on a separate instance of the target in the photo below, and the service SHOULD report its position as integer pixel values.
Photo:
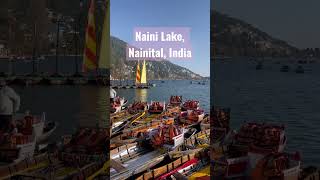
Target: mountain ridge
(234, 37)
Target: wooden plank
(117, 165)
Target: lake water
(272, 96)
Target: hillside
(120, 68)
(234, 37)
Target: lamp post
(34, 48)
(58, 21)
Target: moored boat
(175, 100)
(57, 79)
(41, 127)
(277, 165)
(31, 79)
(167, 136)
(138, 106)
(118, 104)
(15, 148)
(156, 107)
(190, 105)
(191, 116)
(78, 80)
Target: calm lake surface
(269, 95)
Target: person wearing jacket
(9, 104)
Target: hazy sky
(295, 21)
(127, 14)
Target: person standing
(9, 104)
(113, 95)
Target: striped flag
(90, 49)
(138, 78)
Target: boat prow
(47, 132)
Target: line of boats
(285, 68)
(26, 154)
(257, 151)
(159, 140)
(56, 79)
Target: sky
(128, 14)
(294, 21)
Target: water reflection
(141, 95)
(93, 106)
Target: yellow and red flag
(138, 78)
(90, 49)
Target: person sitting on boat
(9, 104)
(113, 95)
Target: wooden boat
(80, 157)
(191, 116)
(57, 79)
(170, 165)
(31, 80)
(201, 168)
(198, 138)
(190, 105)
(168, 136)
(156, 107)
(232, 164)
(17, 148)
(135, 166)
(42, 128)
(87, 141)
(310, 172)
(120, 116)
(48, 130)
(53, 168)
(30, 163)
(138, 132)
(277, 165)
(120, 125)
(262, 136)
(78, 79)
(203, 174)
(102, 173)
(175, 101)
(125, 151)
(147, 118)
(138, 107)
(118, 104)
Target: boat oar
(104, 169)
(123, 142)
(139, 117)
(183, 153)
